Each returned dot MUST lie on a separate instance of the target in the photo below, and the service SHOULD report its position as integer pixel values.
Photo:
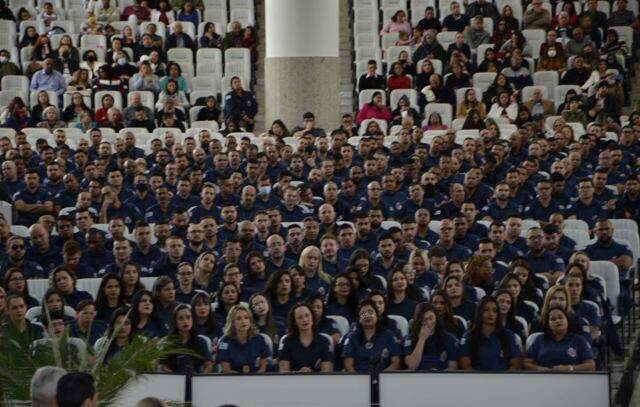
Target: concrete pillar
(302, 65)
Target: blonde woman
(205, 273)
(242, 349)
(315, 277)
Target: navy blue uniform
(39, 196)
(299, 355)
(243, 357)
(571, 350)
(492, 356)
(382, 347)
(432, 357)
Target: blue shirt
(155, 214)
(492, 356)
(535, 210)
(507, 253)
(545, 262)
(299, 356)
(294, 215)
(497, 213)
(382, 346)
(457, 252)
(39, 196)
(243, 357)
(432, 357)
(97, 330)
(143, 204)
(571, 350)
(598, 251)
(181, 363)
(589, 213)
(53, 81)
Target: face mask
(3, 59)
(91, 58)
(122, 61)
(551, 53)
(141, 186)
(65, 55)
(264, 190)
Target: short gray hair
(44, 384)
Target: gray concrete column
(302, 64)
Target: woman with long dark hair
(402, 301)
(227, 296)
(429, 346)
(266, 323)
(184, 335)
(324, 324)
(280, 293)
(16, 283)
(130, 276)
(121, 323)
(488, 346)
(110, 296)
(143, 319)
(342, 299)
(453, 324)
(304, 349)
(203, 317)
(507, 312)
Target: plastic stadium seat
(388, 224)
(369, 14)
(480, 51)
(625, 33)
(444, 109)
(393, 53)
(550, 79)
(366, 40)
(206, 82)
(188, 28)
(362, 66)
(365, 3)
(209, 69)
(401, 323)
(75, 39)
(527, 91)
(91, 285)
(225, 84)
(389, 40)
(605, 7)
(244, 16)
(146, 97)
(396, 94)
(579, 236)
(216, 16)
(341, 324)
(18, 83)
(365, 96)
(367, 53)
(609, 272)
(6, 96)
(560, 91)
(366, 26)
(576, 224)
(6, 209)
(417, 9)
(624, 224)
(483, 80)
(205, 124)
(460, 94)
(34, 312)
(196, 94)
(94, 41)
(180, 55)
(117, 98)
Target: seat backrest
(341, 324)
(532, 338)
(483, 80)
(624, 224)
(90, 285)
(403, 324)
(576, 224)
(609, 272)
(579, 236)
(444, 109)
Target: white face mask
(122, 61)
(3, 59)
(551, 53)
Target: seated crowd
(492, 55)
(263, 254)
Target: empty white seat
(93, 41)
(624, 224)
(18, 83)
(483, 80)
(180, 55)
(244, 16)
(206, 82)
(576, 224)
(367, 53)
(549, 79)
(209, 69)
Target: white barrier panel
(169, 387)
(282, 390)
(487, 389)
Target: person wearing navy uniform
(32, 201)
(16, 249)
(391, 197)
(206, 206)
(454, 250)
(365, 238)
(501, 207)
(385, 259)
(541, 261)
(370, 347)
(543, 205)
(242, 349)
(304, 349)
(503, 252)
(183, 335)
(558, 349)
(512, 234)
(461, 234)
(488, 346)
(240, 105)
(628, 205)
(587, 207)
(290, 208)
(606, 248)
(429, 346)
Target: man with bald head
(41, 251)
(48, 79)
(327, 218)
(10, 180)
(247, 208)
(276, 259)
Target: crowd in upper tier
(321, 250)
